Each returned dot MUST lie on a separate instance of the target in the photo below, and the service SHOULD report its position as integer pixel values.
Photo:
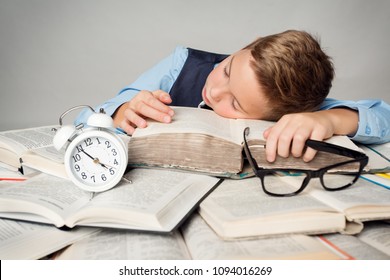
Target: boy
(283, 77)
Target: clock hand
(105, 165)
(88, 155)
(96, 160)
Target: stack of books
(187, 195)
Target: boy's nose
(217, 93)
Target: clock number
(88, 142)
(98, 140)
(77, 167)
(76, 157)
(83, 175)
(79, 148)
(108, 144)
(114, 153)
(112, 171)
(116, 162)
(104, 178)
(93, 178)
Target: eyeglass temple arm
(250, 158)
(335, 149)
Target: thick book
(154, 200)
(238, 209)
(199, 140)
(32, 149)
(21, 240)
(194, 240)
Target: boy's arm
(290, 133)
(365, 121)
(374, 119)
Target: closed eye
(225, 72)
(236, 106)
(227, 68)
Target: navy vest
(187, 89)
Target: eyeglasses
(329, 176)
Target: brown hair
(292, 70)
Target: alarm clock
(95, 156)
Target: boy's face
(232, 89)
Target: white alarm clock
(95, 157)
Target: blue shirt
(374, 115)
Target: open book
(379, 156)
(381, 149)
(200, 140)
(156, 200)
(21, 240)
(241, 209)
(373, 243)
(194, 240)
(32, 148)
(8, 174)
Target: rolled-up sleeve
(374, 119)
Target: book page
(373, 243)
(45, 159)
(145, 202)
(22, 140)
(361, 201)
(241, 208)
(48, 152)
(127, 245)
(204, 244)
(195, 120)
(353, 246)
(343, 141)
(6, 166)
(191, 120)
(49, 198)
(377, 234)
(382, 179)
(377, 162)
(30, 241)
(246, 198)
(382, 149)
(256, 129)
(10, 159)
(13, 175)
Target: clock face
(96, 160)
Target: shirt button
(368, 130)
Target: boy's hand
(145, 104)
(290, 133)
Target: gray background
(57, 54)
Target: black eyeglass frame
(359, 157)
